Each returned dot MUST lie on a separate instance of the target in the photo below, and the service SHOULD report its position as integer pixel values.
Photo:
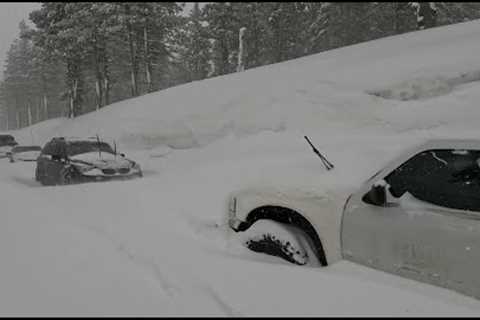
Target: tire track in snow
(222, 304)
(152, 266)
(142, 262)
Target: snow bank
(326, 92)
(422, 88)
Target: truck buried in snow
(418, 217)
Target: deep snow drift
(160, 246)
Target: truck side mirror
(376, 196)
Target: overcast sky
(11, 13)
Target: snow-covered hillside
(160, 245)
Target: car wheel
(65, 176)
(37, 174)
(281, 240)
(41, 177)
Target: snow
(160, 245)
(26, 155)
(103, 160)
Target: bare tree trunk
(98, 94)
(18, 118)
(71, 105)
(73, 79)
(147, 60)
(106, 76)
(98, 74)
(17, 112)
(45, 107)
(133, 60)
(44, 97)
(395, 17)
(29, 114)
(73, 98)
(37, 110)
(106, 87)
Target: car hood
(104, 160)
(31, 154)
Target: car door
(430, 228)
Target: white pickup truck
(418, 217)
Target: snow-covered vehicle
(70, 160)
(417, 217)
(24, 153)
(7, 142)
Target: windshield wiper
(325, 162)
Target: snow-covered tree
(241, 50)
(223, 28)
(426, 14)
(194, 46)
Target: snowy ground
(160, 245)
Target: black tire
(48, 173)
(37, 174)
(281, 240)
(275, 247)
(65, 176)
(42, 178)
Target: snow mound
(425, 87)
(325, 91)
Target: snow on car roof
(453, 143)
(449, 143)
(78, 138)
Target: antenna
(115, 148)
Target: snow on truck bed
(160, 245)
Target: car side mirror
(377, 195)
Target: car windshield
(79, 147)
(19, 149)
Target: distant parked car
(24, 153)
(70, 160)
(7, 142)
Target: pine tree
(193, 46)
(426, 15)
(253, 16)
(222, 28)
(63, 37)
(19, 87)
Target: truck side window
(448, 178)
